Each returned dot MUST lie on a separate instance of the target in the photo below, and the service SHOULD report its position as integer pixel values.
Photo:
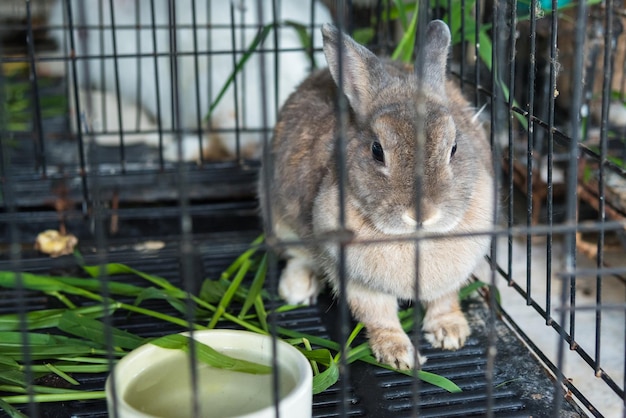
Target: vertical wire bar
(209, 58)
(342, 174)
(267, 169)
(15, 252)
(312, 36)
(499, 61)
(81, 142)
(272, 261)
(242, 75)
(569, 259)
(477, 53)
(276, 63)
(157, 87)
(138, 30)
(550, 160)
(529, 146)
(116, 72)
(40, 149)
(196, 73)
(235, 82)
(463, 44)
(418, 169)
(511, 133)
(186, 241)
(604, 128)
(103, 70)
(97, 210)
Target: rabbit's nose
(409, 218)
(429, 215)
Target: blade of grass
(50, 284)
(355, 332)
(74, 368)
(255, 287)
(230, 270)
(400, 8)
(258, 39)
(96, 331)
(112, 269)
(210, 356)
(47, 318)
(427, 377)
(10, 410)
(327, 378)
(358, 352)
(404, 50)
(62, 374)
(307, 348)
(230, 292)
(38, 389)
(13, 377)
(322, 342)
(115, 288)
(259, 308)
(75, 395)
(162, 294)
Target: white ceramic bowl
(155, 382)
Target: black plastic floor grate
(521, 388)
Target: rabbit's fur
(300, 198)
(214, 44)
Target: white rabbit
(208, 46)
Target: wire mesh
(139, 126)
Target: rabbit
(299, 191)
(138, 79)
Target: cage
(131, 142)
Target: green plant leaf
(404, 50)
(43, 346)
(10, 410)
(96, 331)
(400, 8)
(327, 378)
(162, 294)
(13, 377)
(258, 39)
(230, 270)
(210, 356)
(111, 269)
(62, 374)
(467, 290)
(47, 318)
(256, 287)
(230, 293)
(66, 395)
(427, 377)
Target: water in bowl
(164, 390)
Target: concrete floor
(612, 332)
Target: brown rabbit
(382, 141)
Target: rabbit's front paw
(298, 283)
(448, 331)
(393, 347)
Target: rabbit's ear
(433, 56)
(362, 72)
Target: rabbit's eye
(377, 152)
(453, 151)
